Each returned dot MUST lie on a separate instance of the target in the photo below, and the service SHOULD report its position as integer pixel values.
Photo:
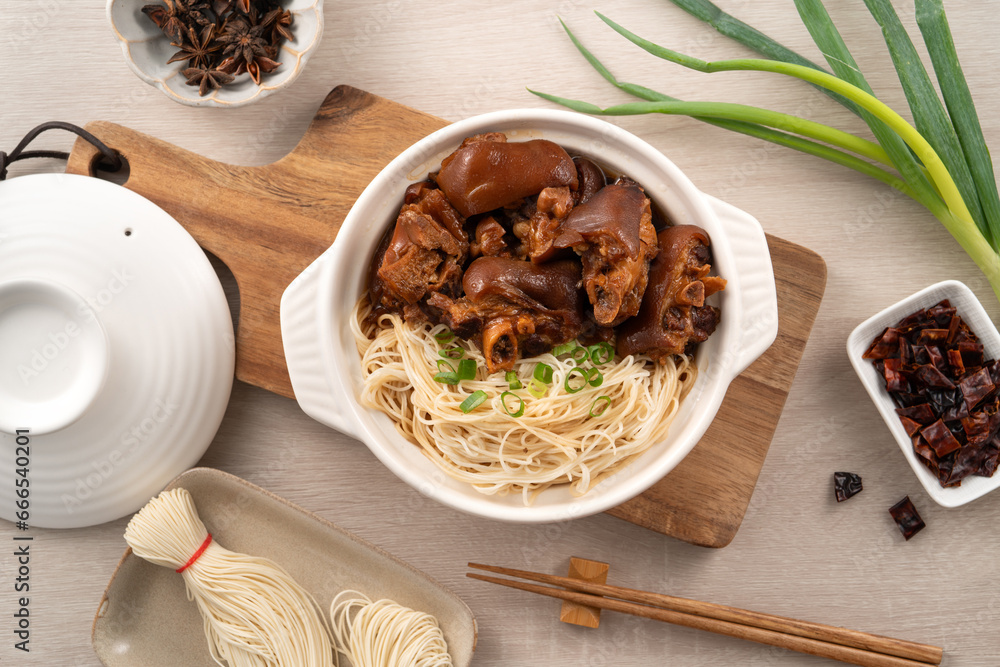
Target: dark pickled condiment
(846, 485)
(945, 390)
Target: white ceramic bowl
(147, 50)
(323, 360)
(972, 312)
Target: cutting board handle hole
(119, 177)
(229, 286)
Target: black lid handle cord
(111, 161)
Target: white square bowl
(974, 315)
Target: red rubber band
(197, 554)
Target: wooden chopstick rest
(849, 646)
(584, 570)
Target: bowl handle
(325, 401)
(756, 282)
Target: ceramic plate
(117, 338)
(146, 619)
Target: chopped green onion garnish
(446, 373)
(601, 353)
(455, 353)
(595, 378)
(600, 405)
(580, 355)
(474, 400)
(565, 348)
(569, 386)
(467, 369)
(446, 378)
(444, 337)
(543, 373)
(510, 377)
(537, 388)
(520, 404)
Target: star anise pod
(199, 13)
(279, 21)
(176, 15)
(206, 79)
(247, 50)
(220, 39)
(198, 49)
(193, 5)
(169, 18)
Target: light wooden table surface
(798, 553)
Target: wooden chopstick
(848, 646)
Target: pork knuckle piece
(515, 308)
(614, 235)
(426, 252)
(487, 172)
(673, 314)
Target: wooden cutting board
(268, 223)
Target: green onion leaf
(569, 386)
(954, 215)
(743, 127)
(929, 114)
(831, 44)
(565, 348)
(543, 373)
(933, 25)
(595, 378)
(752, 38)
(601, 353)
(580, 355)
(737, 112)
(445, 367)
(520, 404)
(600, 405)
(444, 337)
(455, 353)
(474, 400)
(467, 369)
(537, 388)
(511, 378)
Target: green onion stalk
(943, 163)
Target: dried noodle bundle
(255, 614)
(386, 634)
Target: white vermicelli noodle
(386, 634)
(255, 614)
(556, 441)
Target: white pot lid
(116, 350)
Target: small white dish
(972, 313)
(147, 49)
(323, 360)
(53, 386)
(101, 262)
